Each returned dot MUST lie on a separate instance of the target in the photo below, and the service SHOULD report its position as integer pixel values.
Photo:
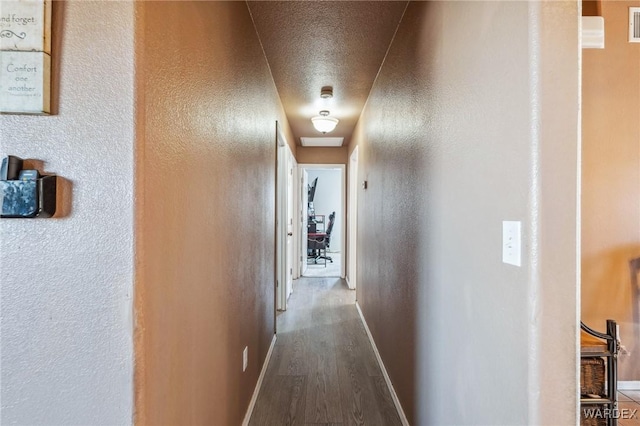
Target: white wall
(328, 199)
(67, 284)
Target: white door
(289, 248)
(283, 282)
(304, 218)
(353, 218)
(281, 229)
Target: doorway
(323, 249)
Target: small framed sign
(25, 25)
(25, 82)
(25, 56)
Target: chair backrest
(327, 239)
(332, 218)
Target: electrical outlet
(245, 358)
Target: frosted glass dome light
(323, 123)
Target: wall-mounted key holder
(25, 193)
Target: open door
(304, 218)
(280, 229)
(284, 221)
(290, 227)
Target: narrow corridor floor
(323, 369)
(629, 407)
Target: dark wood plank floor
(323, 370)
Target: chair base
(317, 254)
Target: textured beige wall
(67, 283)
(206, 249)
(312, 155)
(611, 180)
(473, 120)
(592, 7)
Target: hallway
(323, 369)
(149, 298)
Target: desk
(316, 241)
(315, 224)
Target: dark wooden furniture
(634, 268)
(599, 375)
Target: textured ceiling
(311, 44)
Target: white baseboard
(629, 385)
(254, 397)
(394, 396)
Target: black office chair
(320, 244)
(327, 239)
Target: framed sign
(25, 82)
(25, 56)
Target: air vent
(634, 25)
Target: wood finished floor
(629, 406)
(323, 370)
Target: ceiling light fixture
(323, 123)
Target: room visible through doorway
(325, 214)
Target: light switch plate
(245, 358)
(512, 242)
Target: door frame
(301, 235)
(352, 217)
(295, 193)
(343, 184)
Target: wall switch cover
(512, 242)
(245, 358)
